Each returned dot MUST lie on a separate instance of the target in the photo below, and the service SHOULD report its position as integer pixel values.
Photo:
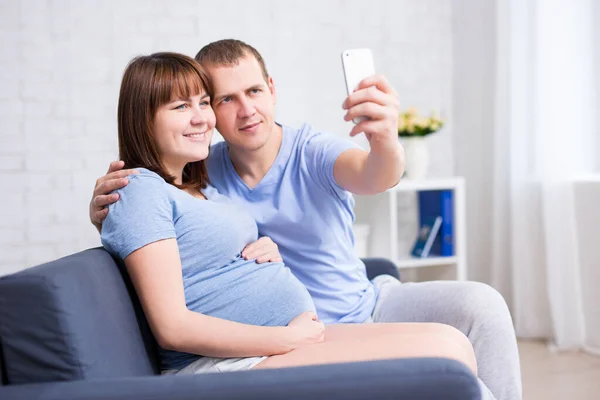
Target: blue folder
(433, 203)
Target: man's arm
(114, 179)
(372, 172)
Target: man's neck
(252, 166)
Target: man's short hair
(228, 52)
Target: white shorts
(213, 364)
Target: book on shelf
(433, 203)
(427, 233)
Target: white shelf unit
(380, 212)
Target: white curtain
(543, 141)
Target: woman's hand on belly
(263, 250)
(304, 330)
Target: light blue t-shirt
(210, 235)
(301, 207)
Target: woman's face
(183, 131)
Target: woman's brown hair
(149, 82)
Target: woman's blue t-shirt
(210, 235)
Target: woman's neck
(175, 171)
(178, 174)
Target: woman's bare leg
(366, 331)
(363, 342)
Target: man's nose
(246, 108)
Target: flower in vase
(411, 124)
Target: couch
(74, 329)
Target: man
(298, 184)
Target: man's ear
(272, 89)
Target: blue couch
(74, 329)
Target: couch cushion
(72, 319)
(2, 369)
(410, 378)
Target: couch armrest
(380, 266)
(423, 378)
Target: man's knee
(481, 301)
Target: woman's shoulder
(147, 176)
(144, 173)
(144, 191)
(144, 181)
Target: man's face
(244, 104)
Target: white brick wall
(61, 64)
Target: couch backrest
(74, 318)
(3, 380)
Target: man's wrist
(385, 144)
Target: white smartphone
(357, 64)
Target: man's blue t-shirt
(299, 205)
(210, 236)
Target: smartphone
(357, 64)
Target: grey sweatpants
(474, 308)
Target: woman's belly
(265, 294)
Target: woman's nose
(198, 117)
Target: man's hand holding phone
(372, 103)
